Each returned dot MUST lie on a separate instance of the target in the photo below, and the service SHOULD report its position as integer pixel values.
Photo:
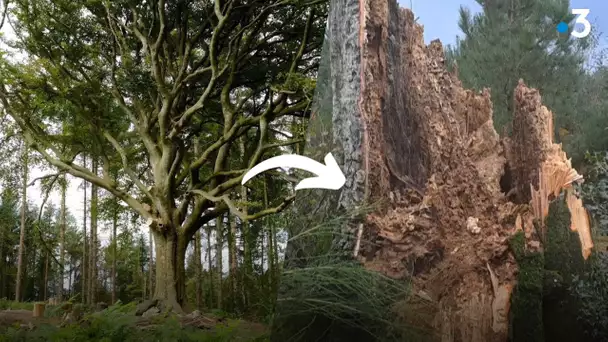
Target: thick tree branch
(83, 173)
(126, 167)
(189, 231)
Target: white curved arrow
(329, 176)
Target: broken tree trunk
(541, 168)
(410, 136)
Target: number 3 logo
(581, 19)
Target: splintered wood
(553, 178)
(580, 222)
(555, 175)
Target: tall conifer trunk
(93, 246)
(20, 261)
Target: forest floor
(13, 317)
(20, 323)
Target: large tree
(163, 89)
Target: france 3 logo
(581, 18)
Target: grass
(6, 304)
(119, 323)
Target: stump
(39, 310)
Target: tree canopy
(161, 91)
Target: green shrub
(591, 292)
(595, 190)
(526, 315)
(6, 304)
(591, 289)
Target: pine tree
(513, 39)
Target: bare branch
(55, 175)
(245, 217)
(4, 13)
(283, 144)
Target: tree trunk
(70, 278)
(247, 267)
(84, 264)
(232, 260)
(93, 249)
(198, 270)
(62, 224)
(275, 252)
(20, 271)
(262, 250)
(170, 287)
(265, 233)
(2, 265)
(269, 228)
(34, 263)
(114, 255)
(140, 270)
(46, 275)
(151, 264)
(219, 235)
(271, 263)
(210, 267)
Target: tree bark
(210, 267)
(18, 285)
(266, 235)
(271, 264)
(170, 287)
(84, 263)
(233, 261)
(219, 235)
(34, 261)
(93, 248)
(151, 264)
(114, 255)
(2, 264)
(275, 252)
(262, 250)
(46, 275)
(70, 275)
(62, 224)
(247, 267)
(140, 270)
(269, 227)
(198, 269)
